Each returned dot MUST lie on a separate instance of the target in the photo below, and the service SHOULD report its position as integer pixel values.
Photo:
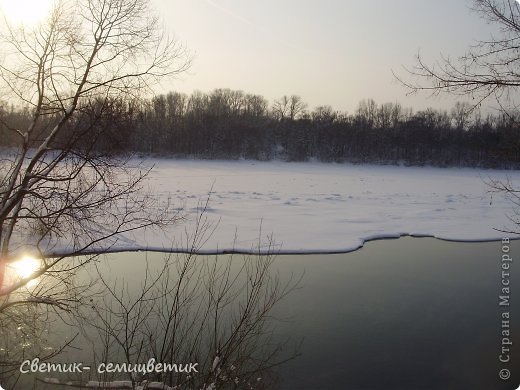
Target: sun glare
(25, 12)
(25, 267)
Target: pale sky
(330, 52)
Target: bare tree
(489, 69)
(296, 107)
(461, 115)
(58, 193)
(324, 114)
(366, 112)
(213, 311)
(281, 108)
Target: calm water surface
(402, 314)
(412, 313)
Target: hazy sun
(25, 268)
(25, 11)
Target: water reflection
(204, 321)
(24, 268)
(404, 314)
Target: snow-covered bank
(315, 207)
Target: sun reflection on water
(24, 268)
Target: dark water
(402, 314)
(407, 314)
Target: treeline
(231, 124)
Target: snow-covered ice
(318, 207)
(314, 207)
